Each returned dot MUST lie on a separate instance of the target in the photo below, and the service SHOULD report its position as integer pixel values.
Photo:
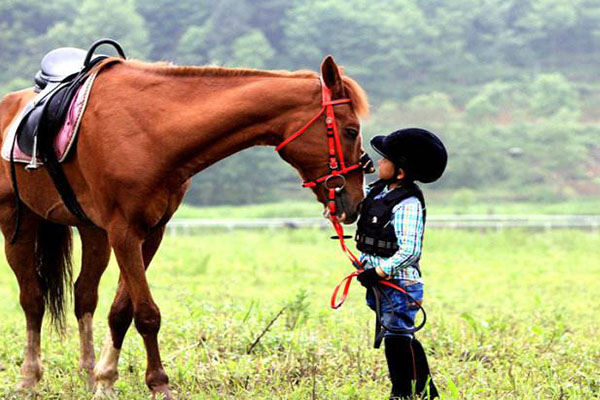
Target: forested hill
(511, 85)
(420, 45)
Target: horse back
(11, 105)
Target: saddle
(57, 65)
(63, 72)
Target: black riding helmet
(420, 153)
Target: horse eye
(353, 133)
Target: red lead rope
(339, 229)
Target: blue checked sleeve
(408, 224)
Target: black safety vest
(375, 234)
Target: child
(390, 236)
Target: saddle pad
(63, 142)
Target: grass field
(512, 315)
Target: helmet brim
(378, 144)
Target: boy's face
(386, 169)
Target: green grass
(436, 206)
(268, 210)
(512, 315)
(579, 206)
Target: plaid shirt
(407, 218)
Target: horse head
(330, 157)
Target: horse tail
(53, 250)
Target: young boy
(390, 237)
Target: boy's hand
(369, 277)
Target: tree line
(510, 85)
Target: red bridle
(337, 169)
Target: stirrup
(33, 164)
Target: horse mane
(353, 90)
(360, 101)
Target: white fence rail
(473, 222)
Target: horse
(148, 128)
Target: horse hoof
(27, 384)
(162, 393)
(105, 394)
(89, 378)
(90, 382)
(31, 374)
(104, 383)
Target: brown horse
(148, 128)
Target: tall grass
(512, 315)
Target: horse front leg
(123, 310)
(94, 260)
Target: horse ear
(332, 77)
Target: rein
(338, 169)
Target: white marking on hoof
(87, 359)
(31, 370)
(106, 371)
(105, 394)
(162, 392)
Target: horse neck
(222, 116)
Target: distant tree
(520, 69)
(252, 50)
(548, 23)
(116, 19)
(211, 42)
(555, 155)
(167, 21)
(378, 41)
(551, 93)
(270, 17)
(436, 104)
(14, 85)
(585, 35)
(477, 155)
(492, 100)
(430, 110)
(253, 176)
(21, 23)
(193, 45)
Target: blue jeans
(405, 309)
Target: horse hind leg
(23, 260)
(94, 260)
(20, 257)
